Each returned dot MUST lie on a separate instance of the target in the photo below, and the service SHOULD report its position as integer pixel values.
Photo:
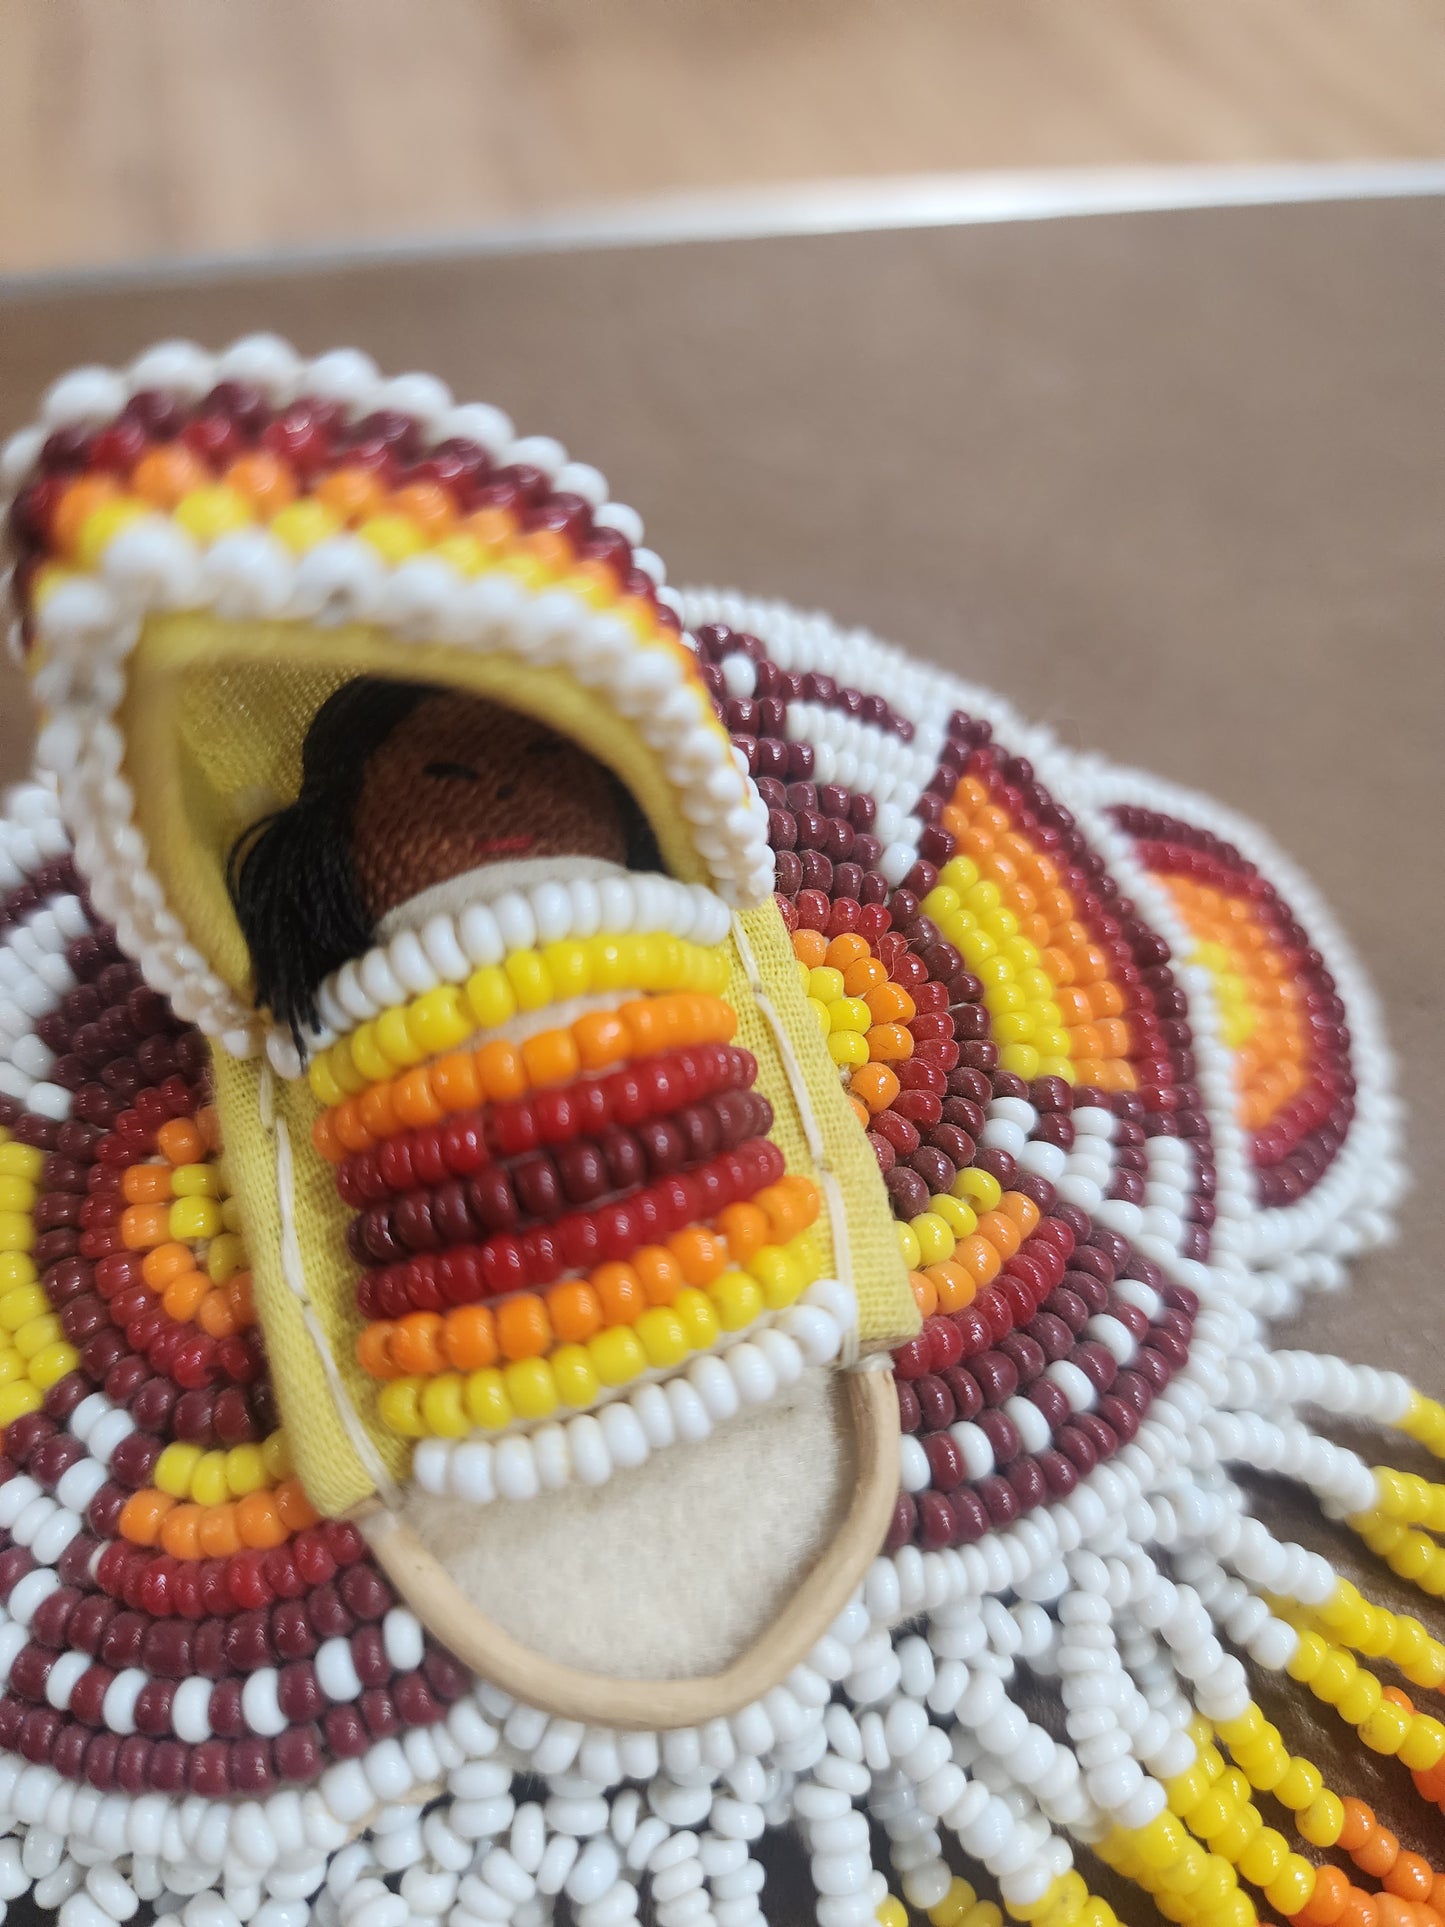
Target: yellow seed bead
(443, 1406)
(941, 902)
(18, 1307)
(101, 527)
(52, 1363)
(531, 1387)
(491, 997)
(980, 1188)
(848, 1048)
(1299, 1785)
(777, 1271)
(737, 1299)
(820, 1015)
(174, 1469)
(569, 965)
(368, 1056)
(617, 1354)
(826, 984)
(324, 1087)
(438, 1021)
(1264, 1857)
(983, 1913)
(301, 525)
(12, 1365)
(399, 1404)
(1386, 1729)
(908, 1244)
(1187, 1789)
(467, 554)
(246, 1470)
(1359, 1699)
(663, 1336)
(1333, 1676)
(344, 1067)
(485, 1395)
(935, 1239)
(36, 1333)
(1423, 1747)
(1321, 1822)
(575, 1376)
(208, 513)
(225, 1256)
(17, 1231)
(1021, 1059)
(17, 1399)
(850, 1013)
(960, 1218)
(1292, 1886)
(395, 1042)
(1307, 1658)
(943, 1913)
(530, 979)
(277, 1455)
(394, 537)
(194, 1218)
(892, 1913)
(612, 967)
(16, 1194)
(22, 1161)
(699, 1318)
(208, 1480)
(195, 1181)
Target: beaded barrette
(626, 1219)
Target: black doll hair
(291, 876)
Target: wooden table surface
(163, 127)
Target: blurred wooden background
(131, 129)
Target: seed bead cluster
(528, 980)
(34, 1352)
(498, 1071)
(1056, 1011)
(1292, 1048)
(542, 1224)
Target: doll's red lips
(505, 846)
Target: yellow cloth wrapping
(214, 718)
(335, 1474)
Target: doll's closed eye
(452, 772)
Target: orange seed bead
(470, 1338)
(523, 1330)
(660, 1273)
(620, 1293)
(180, 1141)
(167, 472)
(575, 1311)
(165, 1262)
(264, 480)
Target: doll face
(463, 782)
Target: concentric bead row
(498, 1071)
(447, 949)
(1291, 1048)
(526, 980)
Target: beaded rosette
(916, 1057)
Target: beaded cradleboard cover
(627, 1219)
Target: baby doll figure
(406, 790)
